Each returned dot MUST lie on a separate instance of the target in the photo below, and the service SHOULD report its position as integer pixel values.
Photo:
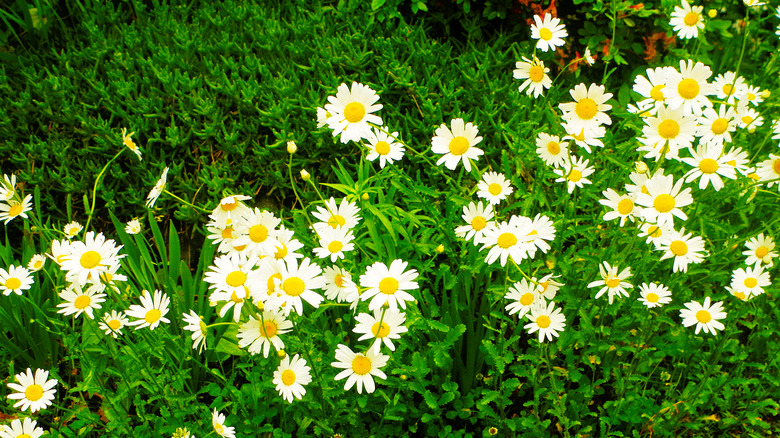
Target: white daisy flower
(382, 327)
(584, 137)
(233, 279)
(688, 89)
(35, 264)
(230, 210)
(457, 145)
(352, 110)
(547, 319)
(27, 428)
(78, 300)
(588, 109)
(388, 285)
(729, 87)
(524, 295)
(151, 312)
(651, 88)
(612, 282)
(654, 295)
(715, 128)
(760, 249)
(535, 75)
(133, 226)
(655, 234)
(687, 20)
(130, 144)
(91, 258)
(346, 214)
(549, 31)
(258, 334)
(339, 285)
(685, 248)
(72, 229)
(507, 239)
(194, 323)
(574, 173)
(112, 323)
(708, 166)
(297, 284)
(477, 219)
(218, 423)
(257, 231)
(663, 200)
(621, 206)
(359, 368)
(334, 243)
(291, 376)
(33, 392)
(666, 133)
(384, 146)
(548, 286)
(14, 209)
(768, 171)
(287, 247)
(551, 149)
(750, 282)
(706, 316)
(16, 279)
(157, 190)
(494, 187)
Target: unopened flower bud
(291, 147)
(640, 167)
(364, 196)
(712, 13)
(765, 94)
(281, 354)
(440, 249)
(305, 175)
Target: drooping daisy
(35, 393)
(505, 240)
(194, 323)
(760, 249)
(620, 206)
(133, 226)
(588, 109)
(27, 428)
(494, 187)
(151, 312)
(612, 282)
(547, 286)
(339, 285)
(130, 144)
(549, 31)
(78, 300)
(157, 190)
(750, 281)
(258, 334)
(457, 145)
(113, 322)
(535, 75)
(547, 319)
(346, 214)
(36, 262)
(14, 209)
(72, 229)
(688, 89)
(574, 173)
(291, 376)
(654, 295)
(551, 149)
(666, 133)
(16, 279)
(685, 248)
(230, 210)
(715, 128)
(297, 284)
(584, 138)
(388, 284)
(7, 187)
(706, 316)
(334, 242)
(383, 326)
(352, 110)
(359, 368)
(91, 258)
(769, 170)
(257, 230)
(687, 20)
(663, 200)
(524, 295)
(384, 146)
(218, 423)
(477, 218)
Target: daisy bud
(550, 263)
(765, 94)
(364, 196)
(440, 249)
(291, 147)
(712, 13)
(403, 377)
(281, 354)
(338, 320)
(752, 129)
(640, 167)
(305, 175)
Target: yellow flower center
(106, 277)
(688, 88)
(24, 435)
(354, 112)
(678, 248)
(708, 165)
(747, 120)
(527, 299)
(152, 316)
(33, 392)
(727, 89)
(218, 429)
(82, 302)
(335, 246)
(762, 251)
(388, 285)
(494, 189)
(545, 34)
(750, 282)
(459, 145)
(652, 297)
(580, 136)
(270, 283)
(719, 126)
(382, 148)
(776, 166)
(553, 148)
(575, 175)
(281, 252)
(90, 259)
(293, 286)
(13, 283)
(288, 377)
(703, 316)
(536, 73)
(114, 324)
(258, 233)
(625, 206)
(361, 365)
(269, 329)
(543, 321)
(668, 129)
(229, 205)
(506, 240)
(656, 94)
(544, 285)
(227, 233)
(235, 279)
(478, 223)
(336, 220)
(741, 295)
(380, 331)
(691, 19)
(612, 282)
(339, 280)
(663, 203)
(38, 264)
(586, 108)
(15, 210)
(654, 232)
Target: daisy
(113, 323)
(584, 138)
(542, 230)
(715, 128)
(685, 248)
(221, 235)
(384, 325)
(7, 187)
(233, 279)
(656, 234)
(388, 285)
(384, 146)
(728, 86)
(760, 250)
(547, 286)
(667, 133)
(18, 429)
(687, 20)
(549, 31)
(16, 279)
(663, 200)
(705, 316)
(359, 368)
(297, 285)
(769, 170)
(35, 393)
(507, 240)
(127, 141)
(259, 334)
(753, 95)
(36, 262)
(547, 319)
(494, 187)
(654, 295)
(352, 111)
(15, 209)
(588, 109)
(651, 88)
(230, 210)
(621, 206)
(151, 312)
(133, 226)
(551, 149)
(457, 145)
(748, 118)
(525, 295)
(287, 247)
(708, 165)
(738, 159)
(257, 230)
(574, 173)
(346, 214)
(750, 281)
(477, 219)
(91, 258)
(72, 229)
(195, 324)
(78, 300)
(535, 75)
(322, 117)
(291, 376)
(218, 423)
(339, 285)
(334, 242)
(612, 282)
(688, 89)
(157, 190)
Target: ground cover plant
(389, 219)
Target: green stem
(95, 187)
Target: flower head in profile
(33, 392)
(687, 20)
(36, 262)
(359, 368)
(457, 145)
(535, 75)
(130, 144)
(706, 316)
(612, 282)
(194, 323)
(133, 226)
(769, 170)
(352, 110)
(218, 423)
(291, 376)
(72, 229)
(549, 31)
(157, 190)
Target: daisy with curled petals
(258, 334)
(21, 429)
(739, 160)
(383, 326)
(584, 138)
(709, 165)
(457, 145)
(760, 249)
(334, 242)
(574, 173)
(688, 88)
(14, 209)
(257, 230)
(359, 368)
(749, 282)
(78, 300)
(715, 128)
(729, 87)
(663, 200)
(157, 190)
(588, 109)
(151, 312)
(477, 218)
(768, 170)
(35, 264)
(535, 75)
(612, 282)
(651, 88)
(685, 248)
(705, 316)
(505, 240)
(666, 133)
(655, 234)
(287, 247)
(654, 295)
(549, 31)
(16, 279)
(388, 285)
(218, 423)
(230, 210)
(346, 214)
(133, 226)
(384, 146)
(291, 376)
(322, 117)
(7, 187)
(547, 319)
(297, 284)
(35, 393)
(195, 324)
(89, 259)
(547, 286)
(523, 296)
(687, 20)
(551, 149)
(494, 187)
(339, 285)
(540, 231)
(130, 144)
(352, 110)
(72, 229)
(112, 323)
(620, 206)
